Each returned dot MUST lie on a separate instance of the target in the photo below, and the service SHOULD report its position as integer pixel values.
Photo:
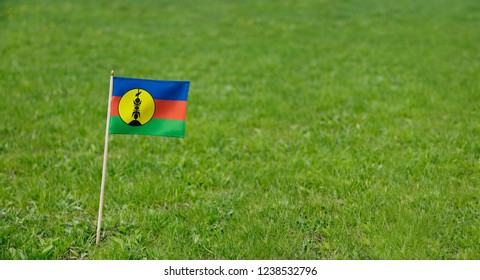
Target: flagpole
(105, 154)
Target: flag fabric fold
(148, 107)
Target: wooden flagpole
(105, 154)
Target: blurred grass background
(315, 130)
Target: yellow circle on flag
(136, 107)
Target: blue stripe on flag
(162, 90)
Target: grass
(315, 130)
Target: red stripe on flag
(164, 109)
(170, 109)
(114, 105)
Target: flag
(149, 107)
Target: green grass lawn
(334, 129)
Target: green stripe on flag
(156, 127)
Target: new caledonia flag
(139, 106)
(149, 107)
